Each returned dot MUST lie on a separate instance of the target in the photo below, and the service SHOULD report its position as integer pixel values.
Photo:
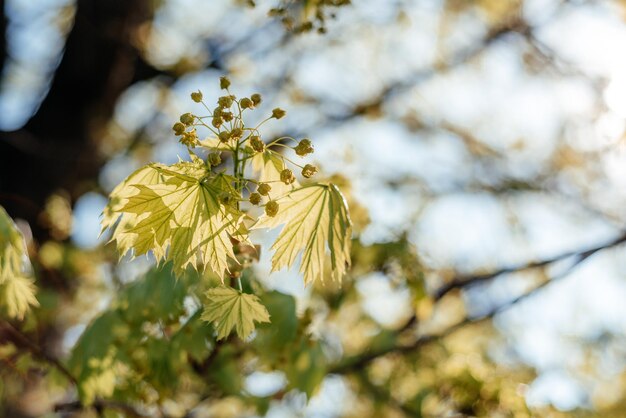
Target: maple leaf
(316, 219)
(176, 214)
(17, 290)
(268, 166)
(230, 309)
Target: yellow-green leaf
(229, 309)
(268, 166)
(316, 220)
(17, 290)
(174, 211)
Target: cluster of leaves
(198, 213)
(17, 289)
(152, 342)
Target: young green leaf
(17, 291)
(316, 218)
(230, 309)
(178, 216)
(268, 166)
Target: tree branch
(461, 282)
(356, 363)
(21, 340)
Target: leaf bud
(224, 83)
(257, 144)
(255, 198)
(304, 147)
(271, 208)
(196, 96)
(278, 113)
(286, 176)
(256, 99)
(309, 171)
(215, 159)
(187, 118)
(178, 128)
(264, 189)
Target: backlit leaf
(230, 309)
(316, 219)
(17, 290)
(174, 211)
(268, 166)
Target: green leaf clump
(197, 214)
(17, 288)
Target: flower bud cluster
(227, 124)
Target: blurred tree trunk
(57, 147)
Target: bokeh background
(482, 144)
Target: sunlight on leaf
(316, 218)
(268, 166)
(230, 309)
(17, 290)
(174, 211)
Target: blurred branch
(100, 405)
(384, 397)
(493, 35)
(21, 340)
(464, 281)
(356, 363)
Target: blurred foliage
(121, 338)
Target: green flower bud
(271, 208)
(286, 176)
(196, 96)
(264, 189)
(256, 99)
(246, 103)
(255, 198)
(236, 133)
(257, 144)
(217, 112)
(187, 118)
(178, 128)
(214, 159)
(278, 113)
(224, 136)
(190, 138)
(224, 83)
(309, 171)
(225, 101)
(216, 122)
(227, 116)
(304, 147)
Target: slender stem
(281, 138)
(22, 340)
(285, 158)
